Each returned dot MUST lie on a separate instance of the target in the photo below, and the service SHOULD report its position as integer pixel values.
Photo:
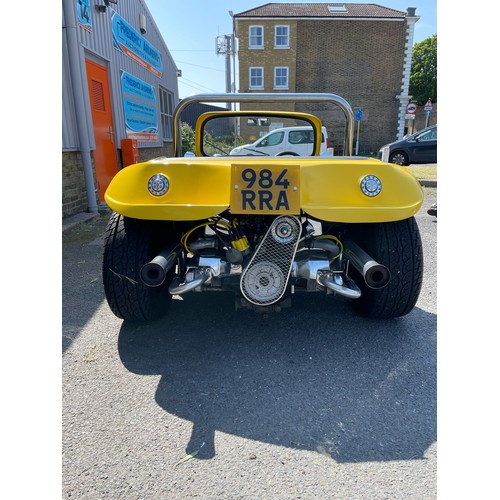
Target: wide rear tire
(398, 246)
(129, 244)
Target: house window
(256, 37)
(281, 37)
(256, 78)
(166, 112)
(281, 78)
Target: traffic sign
(411, 108)
(428, 105)
(359, 114)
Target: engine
(263, 260)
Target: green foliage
(187, 137)
(217, 145)
(423, 75)
(211, 145)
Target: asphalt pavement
(314, 402)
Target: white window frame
(276, 45)
(255, 46)
(276, 86)
(337, 8)
(166, 113)
(250, 86)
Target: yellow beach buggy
(230, 215)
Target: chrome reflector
(158, 185)
(371, 185)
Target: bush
(187, 137)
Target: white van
(295, 141)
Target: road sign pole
(359, 115)
(428, 109)
(357, 139)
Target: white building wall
(404, 97)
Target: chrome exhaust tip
(340, 283)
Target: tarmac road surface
(313, 402)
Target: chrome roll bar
(266, 97)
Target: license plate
(267, 189)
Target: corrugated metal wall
(98, 46)
(69, 131)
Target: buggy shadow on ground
(314, 401)
(328, 380)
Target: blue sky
(190, 28)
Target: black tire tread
(398, 246)
(128, 244)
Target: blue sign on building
(139, 108)
(84, 15)
(129, 41)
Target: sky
(190, 30)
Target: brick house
(361, 52)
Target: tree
(187, 137)
(423, 75)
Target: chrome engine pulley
(264, 280)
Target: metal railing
(266, 97)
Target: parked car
(293, 141)
(417, 148)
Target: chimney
(410, 11)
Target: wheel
(289, 153)
(128, 245)
(399, 158)
(398, 246)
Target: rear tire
(398, 246)
(129, 244)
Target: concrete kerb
(428, 182)
(75, 220)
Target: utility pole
(233, 46)
(224, 46)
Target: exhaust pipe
(339, 283)
(326, 245)
(178, 288)
(375, 275)
(154, 273)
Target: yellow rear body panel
(200, 188)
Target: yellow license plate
(267, 189)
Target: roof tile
(321, 10)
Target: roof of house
(322, 10)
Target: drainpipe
(404, 97)
(70, 26)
